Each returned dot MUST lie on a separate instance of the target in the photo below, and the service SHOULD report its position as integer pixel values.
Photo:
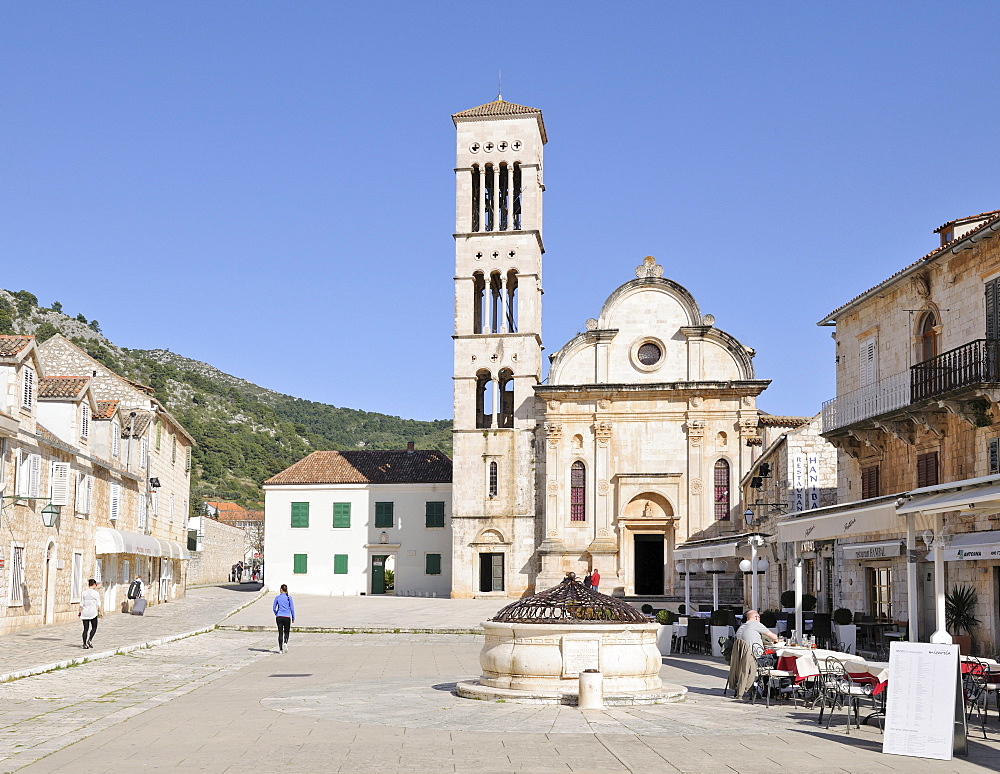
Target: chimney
(409, 447)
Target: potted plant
(844, 629)
(960, 616)
(665, 633)
(787, 600)
(808, 602)
(770, 619)
(719, 626)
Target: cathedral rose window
(649, 354)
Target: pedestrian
(135, 589)
(239, 572)
(586, 581)
(595, 579)
(284, 617)
(90, 611)
(232, 574)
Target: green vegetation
(244, 433)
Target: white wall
(321, 542)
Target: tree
(45, 331)
(254, 536)
(81, 318)
(96, 326)
(56, 306)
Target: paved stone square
(224, 701)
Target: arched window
(492, 475)
(506, 398)
(721, 440)
(516, 195)
(722, 504)
(476, 206)
(928, 337)
(478, 300)
(578, 492)
(503, 189)
(490, 202)
(484, 399)
(511, 301)
(496, 302)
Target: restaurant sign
(882, 550)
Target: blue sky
(268, 186)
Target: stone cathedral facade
(638, 438)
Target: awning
(170, 549)
(881, 550)
(842, 521)
(972, 546)
(982, 498)
(117, 541)
(714, 551)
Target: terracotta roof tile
(943, 226)
(61, 386)
(220, 505)
(933, 254)
(46, 434)
(497, 107)
(368, 467)
(105, 409)
(11, 345)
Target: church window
(503, 197)
(496, 302)
(489, 202)
(492, 478)
(511, 301)
(478, 300)
(649, 354)
(722, 505)
(578, 492)
(516, 196)
(506, 398)
(484, 399)
(475, 197)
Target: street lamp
(50, 514)
(686, 571)
(715, 568)
(939, 540)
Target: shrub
(666, 617)
(788, 598)
(769, 618)
(842, 616)
(808, 602)
(720, 618)
(682, 609)
(647, 609)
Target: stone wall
(221, 547)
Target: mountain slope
(245, 432)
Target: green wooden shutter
(340, 564)
(432, 564)
(434, 514)
(341, 515)
(383, 515)
(300, 514)
(300, 564)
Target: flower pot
(848, 635)
(664, 635)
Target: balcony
(974, 363)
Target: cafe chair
(697, 635)
(742, 668)
(847, 692)
(822, 629)
(770, 679)
(975, 692)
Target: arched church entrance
(647, 527)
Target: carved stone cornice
(904, 430)
(553, 433)
(931, 421)
(603, 431)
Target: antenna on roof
(500, 85)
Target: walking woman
(284, 616)
(90, 611)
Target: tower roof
(500, 108)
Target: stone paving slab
(224, 702)
(59, 646)
(382, 613)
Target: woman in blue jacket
(284, 616)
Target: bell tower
(498, 346)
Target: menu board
(580, 654)
(922, 692)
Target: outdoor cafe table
(801, 663)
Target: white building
(338, 520)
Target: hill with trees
(245, 432)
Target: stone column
(502, 306)
(551, 548)
(696, 519)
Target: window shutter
(927, 469)
(432, 564)
(995, 455)
(59, 483)
(116, 431)
(22, 474)
(90, 493)
(383, 515)
(143, 451)
(85, 421)
(993, 309)
(869, 482)
(300, 515)
(116, 492)
(171, 506)
(341, 515)
(187, 459)
(28, 388)
(35, 485)
(77, 578)
(869, 361)
(300, 564)
(142, 510)
(434, 514)
(340, 564)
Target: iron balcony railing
(977, 362)
(886, 394)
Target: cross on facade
(516, 145)
(474, 147)
(502, 145)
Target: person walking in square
(90, 611)
(595, 579)
(284, 617)
(135, 589)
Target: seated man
(753, 631)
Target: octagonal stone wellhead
(536, 649)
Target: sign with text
(922, 692)
(580, 654)
(873, 550)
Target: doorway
(378, 574)
(648, 565)
(491, 572)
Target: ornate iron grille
(569, 602)
(977, 362)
